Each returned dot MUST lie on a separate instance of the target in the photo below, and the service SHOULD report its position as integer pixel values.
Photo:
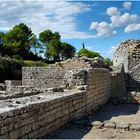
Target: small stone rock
(122, 126)
(135, 127)
(109, 124)
(2, 92)
(97, 124)
(80, 88)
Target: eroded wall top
(127, 54)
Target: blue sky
(100, 25)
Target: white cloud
(102, 28)
(127, 5)
(56, 15)
(132, 27)
(112, 11)
(124, 19)
(93, 25)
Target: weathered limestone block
(122, 126)
(135, 127)
(128, 55)
(97, 124)
(7, 128)
(109, 124)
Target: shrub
(18, 57)
(88, 53)
(11, 68)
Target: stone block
(122, 126)
(135, 127)
(109, 124)
(97, 124)
(25, 130)
(14, 134)
(7, 128)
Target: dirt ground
(83, 133)
(125, 113)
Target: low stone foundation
(50, 97)
(38, 115)
(35, 116)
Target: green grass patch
(30, 63)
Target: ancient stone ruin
(128, 55)
(49, 97)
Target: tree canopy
(55, 49)
(46, 36)
(68, 50)
(17, 40)
(20, 39)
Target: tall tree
(68, 50)
(53, 49)
(17, 40)
(53, 45)
(46, 36)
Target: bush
(88, 53)
(108, 61)
(11, 69)
(18, 57)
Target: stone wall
(41, 114)
(40, 117)
(118, 86)
(81, 89)
(98, 89)
(54, 75)
(134, 56)
(128, 55)
(121, 56)
(133, 79)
